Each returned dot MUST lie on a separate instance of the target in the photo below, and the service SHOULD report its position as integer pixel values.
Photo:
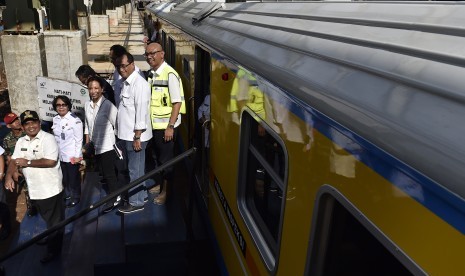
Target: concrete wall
(83, 24)
(25, 59)
(65, 51)
(120, 12)
(99, 24)
(113, 15)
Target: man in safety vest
(166, 105)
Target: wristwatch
(171, 126)
(136, 137)
(29, 162)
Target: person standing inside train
(68, 131)
(99, 128)
(166, 106)
(37, 155)
(133, 127)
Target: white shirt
(101, 128)
(173, 87)
(68, 133)
(133, 109)
(42, 183)
(117, 80)
(204, 111)
(2, 150)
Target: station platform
(129, 33)
(160, 240)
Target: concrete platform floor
(128, 33)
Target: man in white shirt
(133, 127)
(116, 51)
(36, 154)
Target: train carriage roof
(392, 72)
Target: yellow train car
(334, 140)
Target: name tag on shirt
(23, 149)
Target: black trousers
(71, 179)
(52, 210)
(163, 151)
(106, 162)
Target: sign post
(49, 88)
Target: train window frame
(185, 69)
(253, 221)
(172, 52)
(327, 200)
(163, 39)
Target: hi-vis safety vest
(160, 103)
(255, 98)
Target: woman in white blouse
(99, 128)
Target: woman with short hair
(68, 131)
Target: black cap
(28, 115)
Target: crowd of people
(137, 117)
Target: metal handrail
(99, 203)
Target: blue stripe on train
(439, 200)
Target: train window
(262, 186)
(345, 243)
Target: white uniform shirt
(204, 111)
(133, 109)
(68, 133)
(42, 183)
(117, 80)
(2, 151)
(101, 129)
(173, 87)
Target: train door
(202, 112)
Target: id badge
(62, 136)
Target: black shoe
(72, 203)
(48, 257)
(108, 207)
(31, 211)
(128, 208)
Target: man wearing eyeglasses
(166, 106)
(116, 51)
(133, 127)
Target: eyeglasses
(151, 54)
(122, 66)
(61, 105)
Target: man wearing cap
(9, 142)
(37, 155)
